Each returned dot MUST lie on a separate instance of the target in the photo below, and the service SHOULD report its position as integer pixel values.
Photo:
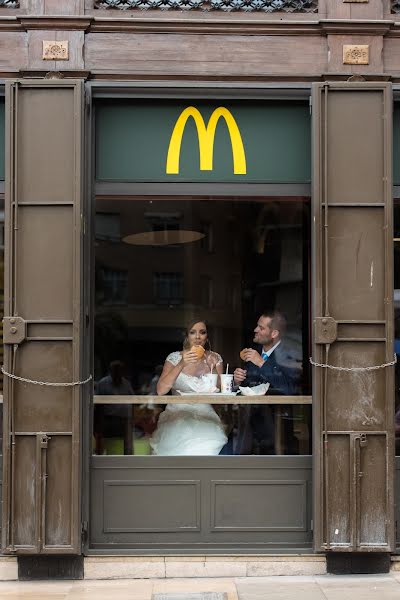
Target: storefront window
(176, 272)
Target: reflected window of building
(168, 288)
(235, 267)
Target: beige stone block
(282, 588)
(268, 558)
(206, 569)
(123, 559)
(356, 54)
(8, 569)
(336, 43)
(182, 586)
(185, 558)
(124, 569)
(115, 589)
(75, 41)
(272, 568)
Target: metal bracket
(325, 330)
(14, 330)
(363, 440)
(44, 440)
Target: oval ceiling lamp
(163, 238)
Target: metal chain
(25, 380)
(374, 368)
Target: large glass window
(227, 274)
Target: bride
(189, 429)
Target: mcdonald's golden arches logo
(206, 135)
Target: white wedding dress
(189, 429)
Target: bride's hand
(189, 357)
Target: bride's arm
(170, 372)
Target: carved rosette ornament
(269, 6)
(55, 50)
(9, 3)
(355, 55)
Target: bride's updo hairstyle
(192, 323)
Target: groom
(271, 361)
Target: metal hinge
(310, 104)
(325, 330)
(14, 330)
(311, 525)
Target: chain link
(49, 383)
(374, 368)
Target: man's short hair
(278, 320)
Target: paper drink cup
(226, 384)
(212, 378)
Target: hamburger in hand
(243, 353)
(199, 350)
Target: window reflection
(231, 264)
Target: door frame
(162, 90)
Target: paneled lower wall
(221, 505)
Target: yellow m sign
(206, 135)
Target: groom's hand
(251, 355)
(239, 375)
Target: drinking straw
(227, 367)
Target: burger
(199, 350)
(243, 353)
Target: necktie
(264, 355)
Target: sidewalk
(324, 587)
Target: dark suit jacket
(280, 370)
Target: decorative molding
(9, 3)
(356, 77)
(355, 55)
(268, 6)
(349, 27)
(29, 22)
(215, 23)
(355, 1)
(53, 50)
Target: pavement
(323, 587)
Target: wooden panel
(353, 410)
(373, 497)
(215, 503)
(356, 291)
(58, 529)
(41, 491)
(277, 505)
(35, 405)
(24, 532)
(205, 54)
(350, 166)
(178, 506)
(45, 162)
(48, 231)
